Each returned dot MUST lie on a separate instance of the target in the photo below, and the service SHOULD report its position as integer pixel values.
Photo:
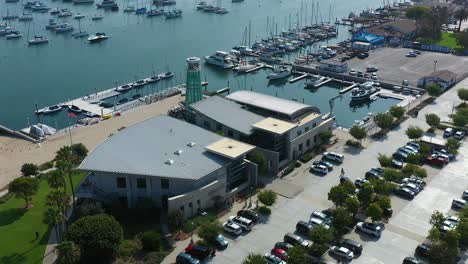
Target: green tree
(462, 230)
(463, 94)
(209, 231)
(29, 169)
(414, 132)
(366, 194)
(338, 195)
(460, 118)
(58, 199)
(433, 89)
(418, 12)
(349, 187)
(267, 197)
(415, 158)
(352, 205)
(437, 219)
(358, 133)
(258, 158)
(452, 145)
(325, 136)
(460, 15)
(397, 111)
(24, 188)
(151, 241)
(98, 237)
(55, 179)
(79, 152)
(462, 39)
(254, 259)
(384, 160)
(385, 202)
(433, 120)
(420, 172)
(341, 219)
(444, 250)
(321, 235)
(374, 212)
(175, 220)
(68, 253)
(54, 218)
(383, 120)
(392, 175)
(383, 187)
(65, 167)
(297, 255)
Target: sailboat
(129, 8)
(80, 34)
(38, 39)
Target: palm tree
(461, 15)
(58, 199)
(55, 179)
(66, 167)
(254, 259)
(54, 217)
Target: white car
(319, 215)
(352, 72)
(333, 156)
(448, 132)
(359, 182)
(232, 228)
(316, 222)
(458, 203)
(460, 135)
(243, 222)
(452, 219)
(342, 252)
(369, 228)
(319, 169)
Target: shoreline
(14, 152)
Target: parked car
(458, 203)
(411, 260)
(363, 55)
(324, 163)
(243, 222)
(369, 228)
(414, 145)
(342, 252)
(221, 242)
(460, 135)
(453, 219)
(280, 253)
(465, 195)
(184, 258)
(320, 169)
(411, 54)
(444, 153)
(405, 193)
(272, 259)
(333, 156)
(448, 132)
(232, 228)
(400, 155)
(296, 240)
(360, 74)
(359, 182)
(352, 245)
(397, 163)
(410, 149)
(345, 179)
(283, 245)
(422, 250)
(304, 227)
(198, 251)
(405, 151)
(415, 180)
(352, 72)
(374, 173)
(412, 187)
(374, 77)
(316, 222)
(249, 214)
(436, 160)
(371, 68)
(367, 75)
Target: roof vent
(191, 144)
(169, 162)
(178, 152)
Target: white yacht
(279, 73)
(221, 59)
(363, 92)
(97, 38)
(314, 82)
(38, 40)
(124, 88)
(13, 35)
(49, 109)
(244, 66)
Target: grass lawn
(447, 39)
(18, 226)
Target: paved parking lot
(394, 66)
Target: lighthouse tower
(193, 86)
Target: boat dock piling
(324, 82)
(304, 75)
(346, 89)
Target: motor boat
(6, 31)
(173, 14)
(280, 72)
(123, 101)
(79, 16)
(129, 9)
(243, 66)
(97, 17)
(155, 12)
(89, 114)
(140, 11)
(363, 92)
(124, 88)
(55, 11)
(39, 6)
(49, 109)
(77, 2)
(52, 24)
(166, 75)
(38, 40)
(314, 82)
(63, 28)
(153, 79)
(64, 13)
(74, 108)
(107, 4)
(221, 11)
(9, 17)
(13, 35)
(201, 5)
(97, 38)
(25, 17)
(139, 83)
(221, 59)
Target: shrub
(397, 111)
(432, 120)
(288, 170)
(154, 257)
(353, 143)
(89, 207)
(46, 165)
(175, 220)
(151, 241)
(392, 175)
(129, 248)
(306, 157)
(29, 169)
(79, 151)
(267, 197)
(68, 253)
(433, 90)
(383, 120)
(414, 132)
(325, 136)
(264, 210)
(209, 231)
(416, 159)
(385, 161)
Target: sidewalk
(50, 254)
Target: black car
(198, 251)
(411, 260)
(283, 245)
(374, 173)
(304, 227)
(345, 179)
(388, 212)
(405, 193)
(249, 214)
(422, 250)
(363, 55)
(352, 245)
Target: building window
(308, 143)
(199, 203)
(164, 184)
(141, 183)
(206, 124)
(315, 139)
(300, 147)
(230, 133)
(190, 205)
(121, 182)
(306, 129)
(314, 124)
(299, 132)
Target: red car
(436, 160)
(280, 253)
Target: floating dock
(293, 80)
(346, 89)
(322, 83)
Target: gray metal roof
(228, 113)
(148, 147)
(271, 103)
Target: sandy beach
(15, 152)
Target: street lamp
(435, 65)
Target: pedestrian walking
(342, 172)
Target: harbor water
(68, 68)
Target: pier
(346, 89)
(304, 75)
(259, 67)
(322, 83)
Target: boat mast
(250, 30)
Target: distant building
(281, 129)
(443, 78)
(333, 66)
(177, 165)
(193, 85)
(401, 29)
(370, 38)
